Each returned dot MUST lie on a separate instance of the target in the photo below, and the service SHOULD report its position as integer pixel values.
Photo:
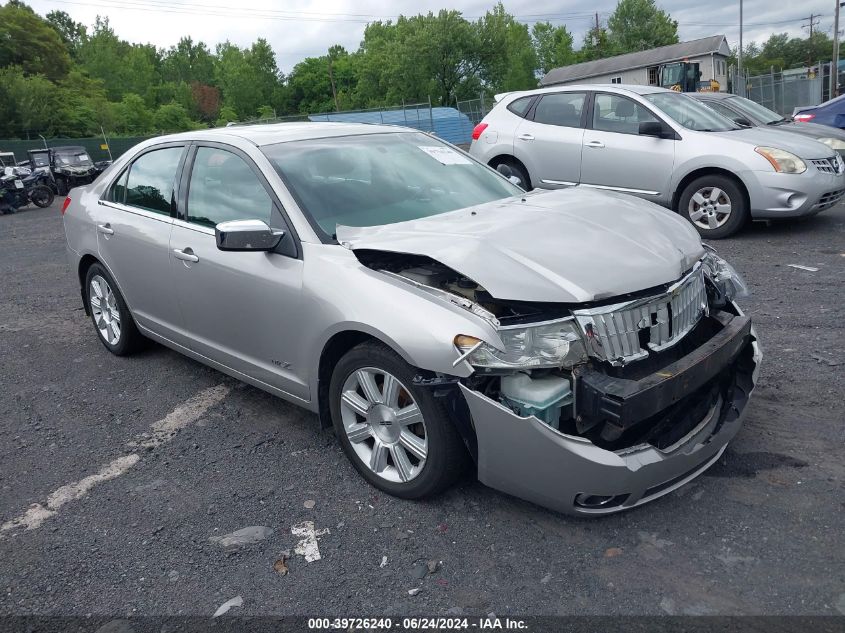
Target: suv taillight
(478, 130)
(65, 205)
(803, 118)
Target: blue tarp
(447, 123)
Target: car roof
(272, 133)
(619, 88)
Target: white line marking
(308, 546)
(182, 416)
(163, 431)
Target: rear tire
(518, 170)
(715, 205)
(398, 437)
(111, 317)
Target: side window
(520, 106)
(223, 187)
(562, 108)
(149, 185)
(615, 113)
(117, 193)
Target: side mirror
(656, 128)
(247, 235)
(507, 172)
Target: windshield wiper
(779, 121)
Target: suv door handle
(105, 229)
(186, 255)
(597, 144)
(526, 137)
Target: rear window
(520, 106)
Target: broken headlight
(724, 277)
(550, 344)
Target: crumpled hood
(570, 246)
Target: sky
(308, 28)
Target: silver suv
(582, 349)
(662, 146)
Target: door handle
(105, 229)
(186, 255)
(526, 137)
(597, 144)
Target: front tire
(42, 196)
(114, 324)
(715, 205)
(396, 434)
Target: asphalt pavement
(119, 475)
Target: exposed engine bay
(572, 400)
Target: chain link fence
(782, 91)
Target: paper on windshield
(445, 155)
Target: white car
(662, 146)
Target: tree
(188, 62)
(508, 58)
(172, 117)
(132, 116)
(637, 25)
(596, 45)
(30, 42)
(73, 33)
(553, 46)
(227, 115)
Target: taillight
(65, 205)
(478, 130)
(803, 118)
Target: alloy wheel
(384, 424)
(104, 309)
(709, 208)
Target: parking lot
(137, 464)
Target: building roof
(652, 57)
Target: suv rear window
(520, 106)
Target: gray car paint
(534, 248)
(543, 248)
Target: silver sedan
(579, 349)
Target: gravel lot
(760, 533)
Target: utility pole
(334, 91)
(740, 76)
(812, 23)
(834, 62)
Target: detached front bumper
(529, 459)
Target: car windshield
(40, 160)
(375, 179)
(755, 110)
(690, 113)
(75, 158)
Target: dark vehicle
(18, 191)
(69, 166)
(747, 113)
(831, 113)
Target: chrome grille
(615, 332)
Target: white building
(641, 68)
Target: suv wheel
(715, 205)
(396, 434)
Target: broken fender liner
(625, 402)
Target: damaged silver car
(582, 349)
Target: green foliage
(59, 77)
(29, 41)
(173, 117)
(637, 25)
(553, 45)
